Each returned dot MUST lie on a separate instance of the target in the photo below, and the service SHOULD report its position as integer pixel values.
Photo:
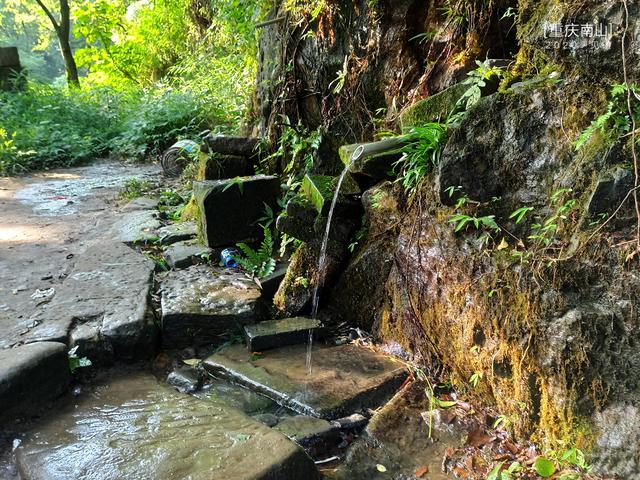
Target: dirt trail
(46, 220)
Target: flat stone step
(279, 333)
(177, 232)
(201, 302)
(136, 428)
(344, 379)
(31, 375)
(102, 306)
(185, 253)
(137, 227)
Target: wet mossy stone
(299, 220)
(230, 209)
(432, 109)
(320, 189)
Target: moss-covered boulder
(435, 108)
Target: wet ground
(123, 423)
(47, 220)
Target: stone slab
(201, 303)
(9, 57)
(107, 291)
(279, 333)
(344, 378)
(230, 145)
(312, 434)
(230, 209)
(135, 428)
(186, 253)
(177, 232)
(135, 227)
(31, 375)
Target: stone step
(177, 232)
(31, 375)
(279, 333)
(102, 307)
(230, 209)
(136, 227)
(201, 303)
(135, 428)
(185, 253)
(344, 378)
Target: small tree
(62, 28)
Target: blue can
(227, 257)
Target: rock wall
(352, 65)
(549, 326)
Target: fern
(259, 263)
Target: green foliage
(259, 263)
(134, 187)
(461, 221)
(545, 231)
(544, 467)
(476, 81)
(76, 362)
(420, 154)
(500, 473)
(616, 121)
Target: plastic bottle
(227, 257)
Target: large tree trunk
(63, 30)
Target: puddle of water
(58, 194)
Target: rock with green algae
(294, 293)
(134, 427)
(435, 108)
(320, 190)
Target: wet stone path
(163, 398)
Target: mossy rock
(319, 189)
(216, 166)
(434, 108)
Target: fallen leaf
(191, 361)
(478, 438)
(421, 471)
(503, 244)
(381, 468)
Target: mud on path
(48, 219)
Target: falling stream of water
(315, 299)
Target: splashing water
(315, 299)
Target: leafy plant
(546, 230)
(134, 187)
(420, 154)
(259, 263)
(475, 378)
(461, 221)
(500, 473)
(615, 122)
(476, 80)
(76, 362)
(544, 467)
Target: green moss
(433, 108)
